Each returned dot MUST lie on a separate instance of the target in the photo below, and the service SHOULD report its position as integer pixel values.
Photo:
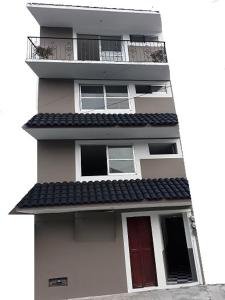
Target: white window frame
(158, 248)
(166, 141)
(155, 95)
(109, 176)
(140, 152)
(78, 102)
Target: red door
(142, 257)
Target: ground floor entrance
(160, 250)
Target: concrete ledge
(200, 292)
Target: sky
(195, 43)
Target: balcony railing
(110, 50)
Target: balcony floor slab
(99, 70)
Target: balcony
(97, 58)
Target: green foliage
(44, 52)
(158, 56)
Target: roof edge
(71, 6)
(158, 204)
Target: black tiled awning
(45, 120)
(103, 192)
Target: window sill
(162, 156)
(111, 111)
(123, 176)
(146, 96)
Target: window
(93, 160)
(162, 148)
(92, 97)
(110, 43)
(98, 160)
(151, 89)
(117, 97)
(104, 97)
(143, 38)
(110, 48)
(120, 159)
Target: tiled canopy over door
(142, 258)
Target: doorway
(177, 257)
(99, 48)
(142, 259)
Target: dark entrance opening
(179, 269)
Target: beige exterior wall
(154, 105)
(163, 168)
(73, 247)
(62, 48)
(56, 96)
(56, 161)
(59, 32)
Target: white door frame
(158, 248)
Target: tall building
(112, 205)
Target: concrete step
(199, 292)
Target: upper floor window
(157, 89)
(120, 159)
(163, 148)
(143, 38)
(98, 160)
(104, 97)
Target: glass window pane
(117, 103)
(137, 38)
(93, 103)
(143, 89)
(121, 166)
(116, 91)
(92, 91)
(159, 89)
(143, 38)
(162, 148)
(110, 43)
(120, 152)
(151, 38)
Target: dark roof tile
(44, 120)
(97, 192)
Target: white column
(75, 57)
(192, 243)
(131, 95)
(158, 249)
(125, 53)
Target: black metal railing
(95, 50)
